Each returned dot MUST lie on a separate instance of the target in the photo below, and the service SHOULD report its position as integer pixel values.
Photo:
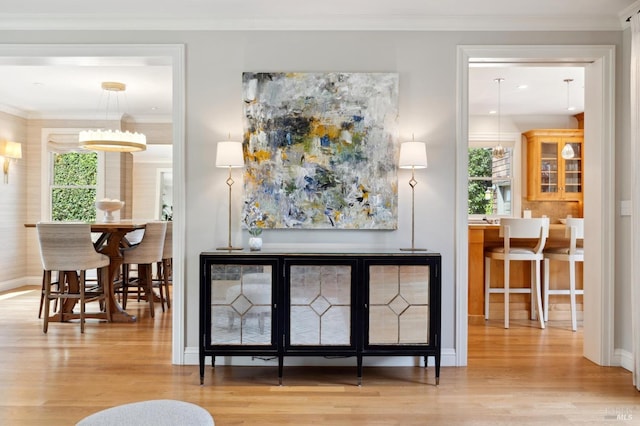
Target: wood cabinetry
(550, 176)
(275, 304)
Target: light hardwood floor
(518, 376)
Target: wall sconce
(413, 155)
(10, 151)
(229, 155)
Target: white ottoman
(157, 412)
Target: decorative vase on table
(108, 207)
(255, 241)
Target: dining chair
(524, 240)
(60, 280)
(144, 255)
(67, 247)
(164, 268)
(574, 230)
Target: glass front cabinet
(555, 164)
(320, 304)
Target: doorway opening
(598, 198)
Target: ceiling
(526, 90)
(70, 87)
(326, 14)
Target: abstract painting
(320, 150)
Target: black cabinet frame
(280, 341)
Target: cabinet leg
(201, 359)
(359, 362)
(280, 369)
(213, 361)
(437, 357)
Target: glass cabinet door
(573, 170)
(549, 159)
(398, 304)
(320, 305)
(241, 301)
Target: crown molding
(628, 12)
(14, 111)
(36, 115)
(48, 22)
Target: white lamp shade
(229, 154)
(10, 149)
(413, 155)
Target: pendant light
(567, 151)
(112, 140)
(498, 151)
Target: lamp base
(413, 249)
(229, 248)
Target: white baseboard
(623, 358)
(448, 359)
(19, 282)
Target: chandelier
(498, 151)
(567, 151)
(112, 140)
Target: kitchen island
(482, 236)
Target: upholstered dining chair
(144, 255)
(572, 253)
(59, 281)
(524, 240)
(68, 247)
(164, 268)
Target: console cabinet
(277, 304)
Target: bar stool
(144, 254)
(575, 231)
(518, 229)
(67, 247)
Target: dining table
(110, 242)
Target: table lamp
(229, 154)
(413, 155)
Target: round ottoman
(157, 412)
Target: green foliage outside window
(73, 204)
(480, 163)
(73, 192)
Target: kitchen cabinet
(550, 177)
(331, 304)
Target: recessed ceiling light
(493, 111)
(523, 86)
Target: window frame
(46, 163)
(508, 140)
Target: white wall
(426, 62)
(145, 177)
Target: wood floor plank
(520, 376)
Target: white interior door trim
(175, 53)
(599, 196)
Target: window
(72, 178)
(490, 182)
(73, 186)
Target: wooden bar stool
(67, 247)
(515, 248)
(571, 254)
